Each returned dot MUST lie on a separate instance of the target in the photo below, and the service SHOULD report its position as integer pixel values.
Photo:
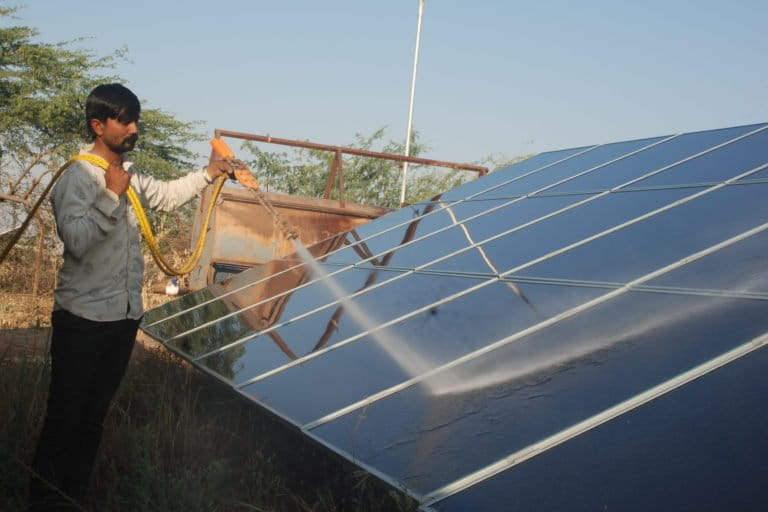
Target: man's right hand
(116, 177)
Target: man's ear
(97, 127)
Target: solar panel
(478, 349)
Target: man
(97, 302)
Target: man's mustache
(131, 139)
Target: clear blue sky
(507, 77)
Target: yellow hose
(146, 228)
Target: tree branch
(15, 199)
(36, 160)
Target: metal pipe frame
(480, 170)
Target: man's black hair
(113, 101)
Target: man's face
(120, 136)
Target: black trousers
(88, 361)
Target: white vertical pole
(410, 107)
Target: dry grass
(22, 311)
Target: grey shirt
(103, 270)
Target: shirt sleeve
(84, 209)
(167, 195)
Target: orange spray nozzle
(221, 148)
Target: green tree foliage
(366, 180)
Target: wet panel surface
(264, 307)
(467, 418)
(329, 326)
(701, 447)
(340, 377)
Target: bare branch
(35, 160)
(36, 182)
(15, 199)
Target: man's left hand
(219, 167)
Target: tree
(367, 180)
(43, 88)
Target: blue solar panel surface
(477, 348)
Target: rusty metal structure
(242, 234)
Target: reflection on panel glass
(474, 414)
(402, 295)
(459, 237)
(727, 162)
(738, 268)
(319, 250)
(362, 247)
(498, 219)
(171, 308)
(491, 218)
(256, 284)
(596, 157)
(355, 371)
(396, 218)
(668, 454)
(267, 305)
(662, 239)
(571, 226)
(261, 283)
(652, 159)
(496, 178)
